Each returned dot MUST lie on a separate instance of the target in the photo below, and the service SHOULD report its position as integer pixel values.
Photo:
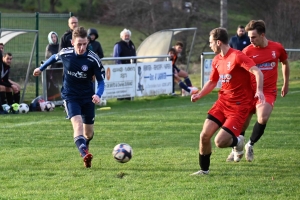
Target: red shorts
(231, 116)
(270, 97)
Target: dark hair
(79, 32)
(258, 25)
(7, 54)
(179, 43)
(220, 34)
(2, 44)
(241, 26)
(172, 50)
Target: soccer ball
(23, 108)
(122, 152)
(49, 106)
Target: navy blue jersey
(78, 73)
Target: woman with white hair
(124, 48)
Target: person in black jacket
(240, 40)
(10, 86)
(94, 45)
(65, 40)
(124, 48)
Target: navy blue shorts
(83, 107)
(175, 68)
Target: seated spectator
(178, 74)
(12, 89)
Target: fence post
(37, 52)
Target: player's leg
(230, 157)
(263, 112)
(185, 75)
(2, 98)
(16, 91)
(208, 130)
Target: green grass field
(40, 160)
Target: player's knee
(220, 142)
(204, 137)
(263, 119)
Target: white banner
(154, 78)
(207, 71)
(119, 81)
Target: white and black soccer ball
(122, 152)
(49, 106)
(23, 108)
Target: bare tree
(54, 3)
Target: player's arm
(100, 76)
(54, 58)
(207, 88)
(259, 77)
(286, 76)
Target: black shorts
(83, 107)
(175, 68)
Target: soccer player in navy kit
(80, 65)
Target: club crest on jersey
(273, 54)
(228, 65)
(225, 78)
(84, 68)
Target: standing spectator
(12, 89)
(95, 45)
(52, 47)
(234, 102)
(124, 48)
(266, 54)
(240, 40)
(65, 40)
(80, 65)
(2, 88)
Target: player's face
(241, 32)
(80, 45)
(7, 59)
(73, 23)
(256, 39)
(213, 45)
(171, 54)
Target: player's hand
(37, 72)
(195, 97)
(284, 90)
(96, 99)
(261, 97)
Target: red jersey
(266, 60)
(233, 71)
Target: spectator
(177, 74)
(12, 89)
(93, 44)
(2, 88)
(240, 40)
(52, 47)
(65, 40)
(1, 48)
(124, 48)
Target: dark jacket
(5, 69)
(239, 43)
(95, 46)
(65, 40)
(124, 49)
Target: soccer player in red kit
(233, 105)
(266, 54)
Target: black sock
(204, 162)
(81, 144)
(258, 131)
(183, 86)
(17, 97)
(188, 81)
(88, 141)
(9, 98)
(242, 133)
(2, 97)
(234, 141)
(1, 108)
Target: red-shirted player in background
(265, 53)
(235, 100)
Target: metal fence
(21, 45)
